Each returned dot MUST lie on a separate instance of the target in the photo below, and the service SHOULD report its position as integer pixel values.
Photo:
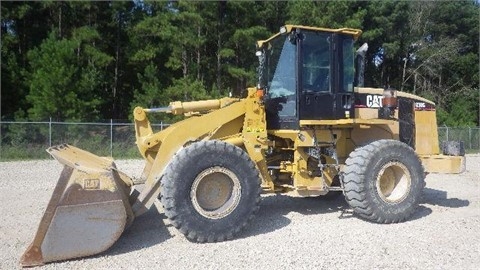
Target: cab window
(316, 68)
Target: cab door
(316, 100)
(344, 77)
(326, 76)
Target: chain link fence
(470, 136)
(28, 140)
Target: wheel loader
(308, 128)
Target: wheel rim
(215, 192)
(393, 182)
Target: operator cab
(307, 74)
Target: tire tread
(168, 187)
(357, 193)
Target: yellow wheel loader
(308, 128)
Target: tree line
(86, 61)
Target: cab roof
(289, 27)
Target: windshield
(279, 67)
(277, 74)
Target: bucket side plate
(87, 212)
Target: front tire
(210, 191)
(383, 181)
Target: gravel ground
(312, 233)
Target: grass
(119, 150)
(19, 153)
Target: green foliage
(51, 77)
(462, 110)
(328, 14)
(187, 90)
(151, 94)
(184, 89)
(96, 60)
(66, 76)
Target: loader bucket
(87, 212)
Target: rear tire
(210, 191)
(383, 181)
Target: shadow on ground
(440, 198)
(273, 210)
(150, 229)
(147, 230)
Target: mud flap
(88, 211)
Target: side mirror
(362, 50)
(360, 65)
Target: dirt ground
(313, 233)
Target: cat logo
(91, 183)
(374, 101)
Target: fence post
(111, 137)
(1, 138)
(469, 138)
(50, 133)
(447, 135)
